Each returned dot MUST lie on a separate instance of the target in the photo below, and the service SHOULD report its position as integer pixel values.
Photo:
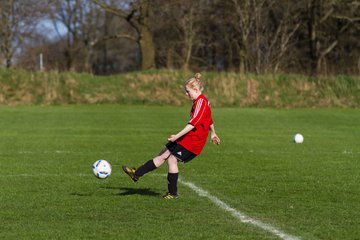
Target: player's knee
(172, 160)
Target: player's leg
(152, 164)
(148, 166)
(161, 157)
(173, 164)
(172, 177)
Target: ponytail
(195, 82)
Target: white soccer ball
(101, 169)
(298, 138)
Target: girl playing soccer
(186, 144)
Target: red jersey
(200, 118)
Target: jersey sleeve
(198, 112)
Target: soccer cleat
(169, 196)
(130, 172)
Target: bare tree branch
(116, 36)
(116, 11)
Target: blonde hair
(195, 83)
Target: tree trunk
(146, 42)
(242, 59)
(6, 33)
(188, 53)
(230, 57)
(147, 48)
(170, 58)
(257, 13)
(313, 39)
(7, 50)
(139, 19)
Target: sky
(48, 26)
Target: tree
(327, 22)
(17, 22)
(81, 21)
(181, 22)
(283, 21)
(244, 23)
(138, 15)
(110, 36)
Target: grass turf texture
(310, 190)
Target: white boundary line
(237, 214)
(202, 193)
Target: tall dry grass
(159, 87)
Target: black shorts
(181, 153)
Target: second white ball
(298, 138)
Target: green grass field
(308, 190)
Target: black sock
(145, 168)
(172, 182)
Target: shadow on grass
(138, 191)
(123, 192)
(81, 194)
(135, 191)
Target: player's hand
(172, 138)
(215, 139)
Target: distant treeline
(165, 87)
(312, 37)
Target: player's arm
(213, 136)
(186, 129)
